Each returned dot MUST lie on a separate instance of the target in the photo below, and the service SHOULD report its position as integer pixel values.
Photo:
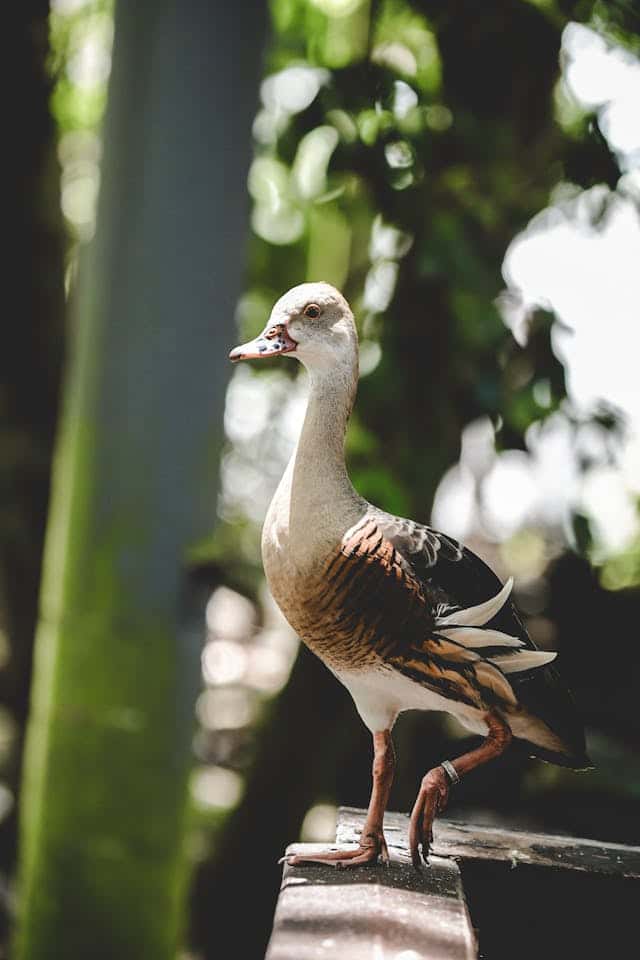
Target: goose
(404, 616)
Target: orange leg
(372, 843)
(434, 790)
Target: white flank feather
(477, 616)
(473, 637)
(523, 660)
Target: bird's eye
(312, 310)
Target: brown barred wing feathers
(535, 681)
(455, 672)
(369, 597)
(377, 579)
(471, 608)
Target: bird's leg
(434, 790)
(372, 843)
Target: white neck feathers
(315, 502)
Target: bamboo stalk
(108, 745)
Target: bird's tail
(545, 744)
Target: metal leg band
(450, 771)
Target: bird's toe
(432, 799)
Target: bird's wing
(465, 590)
(377, 574)
(468, 607)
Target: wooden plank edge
(371, 912)
(469, 842)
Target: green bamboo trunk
(108, 745)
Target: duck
(406, 617)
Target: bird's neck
(318, 462)
(316, 499)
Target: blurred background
(469, 175)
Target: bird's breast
(350, 610)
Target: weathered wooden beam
(469, 842)
(371, 913)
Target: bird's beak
(274, 339)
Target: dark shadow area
(530, 912)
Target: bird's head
(312, 322)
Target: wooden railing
(489, 893)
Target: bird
(403, 615)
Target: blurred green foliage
(79, 32)
(396, 161)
